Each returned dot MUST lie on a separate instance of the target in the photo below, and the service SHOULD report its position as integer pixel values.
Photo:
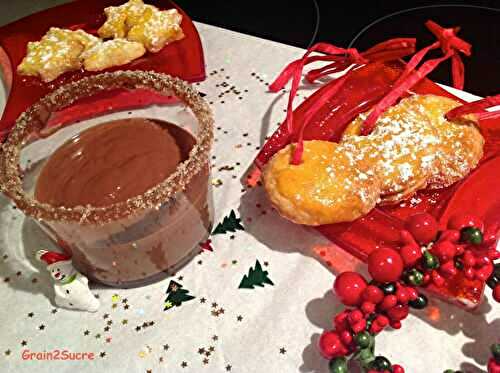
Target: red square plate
(475, 194)
(183, 59)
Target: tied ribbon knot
(451, 46)
(340, 59)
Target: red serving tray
(183, 58)
(475, 194)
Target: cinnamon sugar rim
(36, 116)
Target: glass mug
(144, 238)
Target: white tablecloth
(267, 329)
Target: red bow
(450, 44)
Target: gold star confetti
(228, 368)
(24, 343)
(7, 352)
(214, 305)
(184, 364)
(215, 338)
(166, 347)
(201, 350)
(102, 354)
(108, 340)
(105, 316)
(168, 304)
(114, 305)
(41, 327)
(31, 314)
(239, 318)
(282, 350)
(205, 361)
(98, 335)
(124, 321)
(142, 354)
(203, 300)
(115, 298)
(86, 332)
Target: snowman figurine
(71, 287)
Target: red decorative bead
(397, 369)
(376, 328)
(398, 313)
(469, 259)
(355, 316)
(340, 321)
(496, 293)
(484, 272)
(396, 324)
(444, 250)
(373, 294)
(331, 346)
(469, 273)
(412, 292)
(493, 366)
(382, 320)
(346, 337)
(349, 286)
(423, 227)
(411, 254)
(367, 307)
(389, 301)
(448, 269)
(437, 279)
(359, 326)
(427, 278)
(459, 221)
(385, 265)
(402, 295)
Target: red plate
(475, 194)
(182, 58)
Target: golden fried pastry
(110, 53)
(329, 186)
(401, 149)
(460, 143)
(142, 23)
(156, 29)
(57, 52)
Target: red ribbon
(341, 59)
(450, 44)
(477, 107)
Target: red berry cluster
(426, 256)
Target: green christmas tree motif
(176, 295)
(255, 277)
(230, 223)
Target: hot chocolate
(113, 162)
